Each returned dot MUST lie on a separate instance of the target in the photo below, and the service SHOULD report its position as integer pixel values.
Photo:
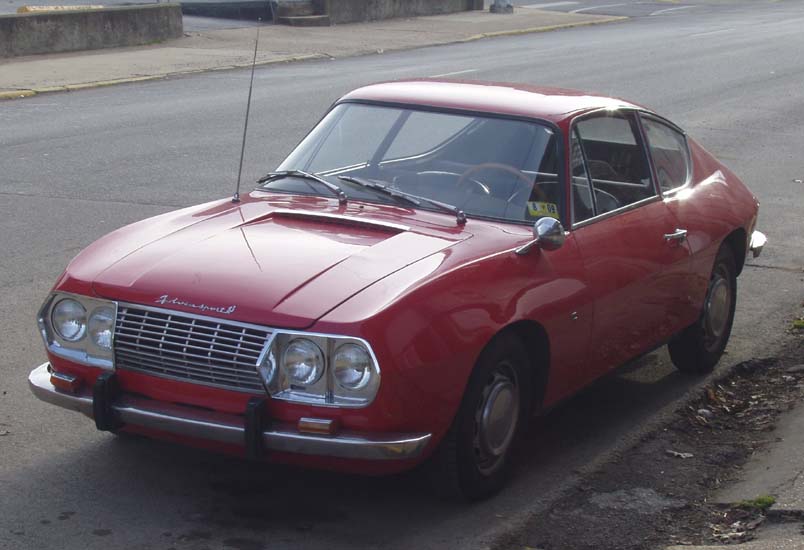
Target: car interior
(494, 168)
(608, 156)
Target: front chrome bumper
(229, 428)
(758, 240)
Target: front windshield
(489, 167)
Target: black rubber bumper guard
(112, 409)
(107, 390)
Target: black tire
(472, 462)
(698, 348)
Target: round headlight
(101, 326)
(69, 320)
(303, 362)
(352, 366)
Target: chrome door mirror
(548, 234)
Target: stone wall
(351, 11)
(64, 31)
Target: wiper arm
(460, 216)
(363, 182)
(342, 198)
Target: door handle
(680, 235)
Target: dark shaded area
(657, 492)
(251, 10)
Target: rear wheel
(699, 347)
(472, 460)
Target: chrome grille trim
(188, 347)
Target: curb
(547, 28)
(18, 94)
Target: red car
(433, 263)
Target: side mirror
(548, 234)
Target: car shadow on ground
(194, 495)
(606, 411)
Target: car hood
(258, 263)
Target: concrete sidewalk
(226, 49)
(774, 537)
(778, 471)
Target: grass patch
(761, 503)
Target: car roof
(553, 104)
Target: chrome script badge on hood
(165, 299)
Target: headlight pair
(304, 362)
(320, 369)
(79, 328)
(69, 320)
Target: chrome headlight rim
(83, 350)
(364, 373)
(81, 319)
(313, 352)
(326, 392)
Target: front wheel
(472, 460)
(699, 347)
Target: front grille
(196, 349)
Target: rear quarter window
(668, 149)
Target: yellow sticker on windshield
(538, 209)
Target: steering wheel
(481, 188)
(519, 174)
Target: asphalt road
(631, 8)
(74, 166)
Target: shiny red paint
(556, 105)
(428, 298)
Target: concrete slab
(779, 471)
(773, 537)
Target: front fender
(429, 322)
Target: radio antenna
(236, 197)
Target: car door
(672, 168)
(627, 237)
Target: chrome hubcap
(717, 308)
(496, 419)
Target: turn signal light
(65, 382)
(318, 426)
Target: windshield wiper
(307, 176)
(460, 216)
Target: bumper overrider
(757, 243)
(112, 409)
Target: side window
(582, 206)
(616, 160)
(668, 149)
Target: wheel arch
(536, 341)
(737, 240)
